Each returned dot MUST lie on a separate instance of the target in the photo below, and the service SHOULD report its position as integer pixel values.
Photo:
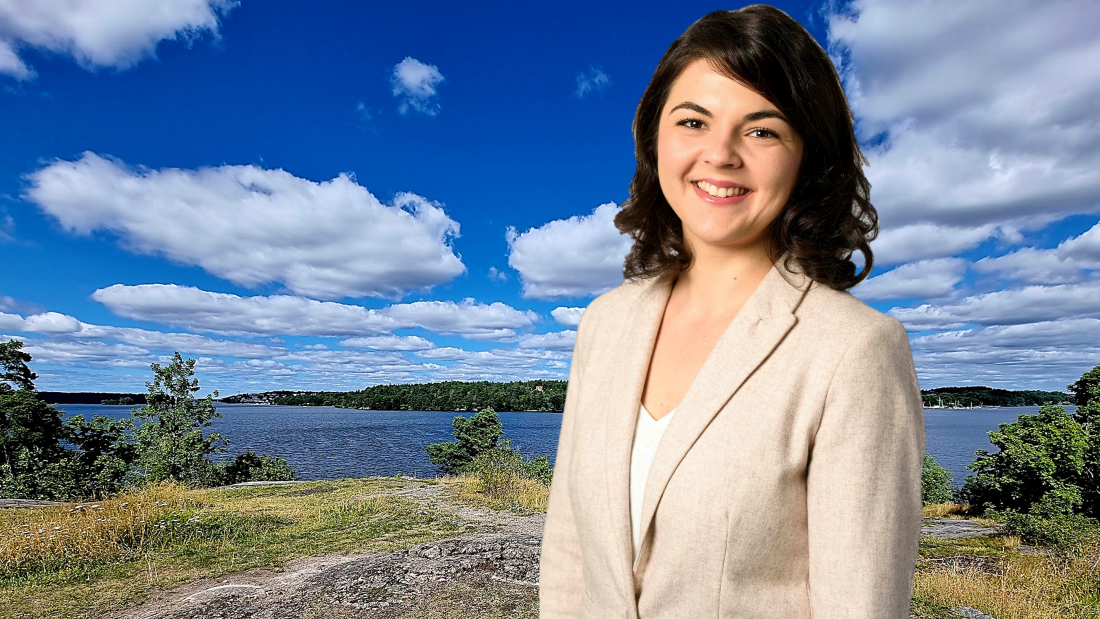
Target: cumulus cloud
(983, 112)
(414, 83)
(254, 226)
(230, 314)
(575, 257)
(1006, 307)
(556, 340)
(922, 279)
(100, 33)
(1072, 260)
(471, 319)
(568, 316)
(389, 342)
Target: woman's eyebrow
(751, 116)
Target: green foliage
(474, 436)
(1038, 454)
(1064, 532)
(13, 367)
(171, 443)
(935, 482)
(498, 465)
(1087, 388)
(250, 466)
(535, 395)
(105, 450)
(33, 462)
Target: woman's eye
(686, 122)
(764, 133)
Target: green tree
(1041, 458)
(474, 435)
(935, 482)
(1087, 388)
(105, 451)
(171, 443)
(14, 368)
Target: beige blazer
(788, 484)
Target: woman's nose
(724, 151)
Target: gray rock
(952, 528)
(970, 613)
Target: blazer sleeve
(561, 581)
(863, 482)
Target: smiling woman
(741, 437)
(766, 103)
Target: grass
(83, 560)
(990, 574)
(500, 491)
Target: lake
(322, 442)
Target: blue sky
(333, 195)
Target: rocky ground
(488, 574)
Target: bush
(478, 434)
(497, 467)
(250, 466)
(1065, 533)
(935, 482)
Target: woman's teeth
(723, 192)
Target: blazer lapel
(750, 337)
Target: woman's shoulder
(839, 314)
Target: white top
(647, 434)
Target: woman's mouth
(720, 196)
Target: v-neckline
(650, 415)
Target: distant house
(538, 387)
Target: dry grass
(991, 575)
(52, 538)
(84, 560)
(513, 493)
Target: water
(321, 442)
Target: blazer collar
(750, 337)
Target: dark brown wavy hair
(829, 214)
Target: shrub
(249, 466)
(474, 436)
(935, 482)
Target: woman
(786, 482)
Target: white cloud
(1007, 307)
(389, 342)
(470, 319)
(230, 314)
(1069, 262)
(254, 226)
(594, 79)
(100, 33)
(923, 279)
(576, 257)
(556, 340)
(415, 82)
(986, 111)
(46, 322)
(568, 316)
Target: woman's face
(716, 131)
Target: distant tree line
(533, 395)
(962, 397)
(89, 397)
